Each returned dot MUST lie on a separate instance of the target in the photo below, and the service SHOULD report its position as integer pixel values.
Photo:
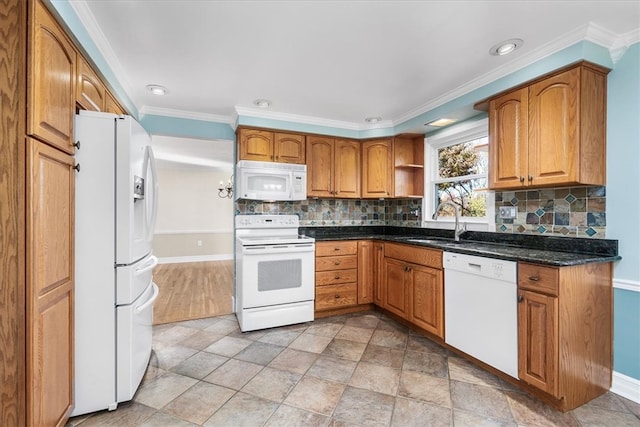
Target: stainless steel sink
(434, 240)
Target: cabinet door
(255, 145)
(320, 154)
(90, 92)
(366, 273)
(50, 202)
(289, 148)
(51, 81)
(396, 287)
(427, 299)
(377, 169)
(112, 106)
(553, 129)
(538, 341)
(378, 274)
(508, 140)
(347, 169)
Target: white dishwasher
(481, 309)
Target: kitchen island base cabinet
(565, 331)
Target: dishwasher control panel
(481, 266)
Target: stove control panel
(267, 221)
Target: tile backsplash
(571, 212)
(341, 212)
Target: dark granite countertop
(550, 250)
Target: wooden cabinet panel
(427, 296)
(90, 92)
(408, 160)
(414, 254)
(51, 81)
(336, 248)
(508, 140)
(346, 175)
(379, 283)
(377, 169)
(538, 341)
(396, 287)
(112, 106)
(336, 276)
(336, 296)
(366, 271)
(255, 145)
(337, 262)
(320, 166)
(50, 183)
(289, 148)
(538, 278)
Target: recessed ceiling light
(505, 47)
(440, 122)
(157, 89)
(373, 120)
(262, 103)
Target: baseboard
(626, 387)
(628, 285)
(194, 258)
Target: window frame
(455, 134)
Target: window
(458, 162)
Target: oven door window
(279, 274)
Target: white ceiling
(334, 62)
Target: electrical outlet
(507, 212)
(199, 243)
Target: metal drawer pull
(520, 298)
(336, 249)
(534, 278)
(337, 296)
(337, 263)
(337, 276)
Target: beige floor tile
(609, 401)
(233, 374)
(173, 335)
(590, 416)
(251, 335)
(163, 389)
(200, 340)
(368, 321)
(272, 384)
(394, 339)
(378, 378)
(260, 353)
(344, 349)
(199, 402)
(530, 411)
(324, 329)
(224, 327)
(199, 365)
(467, 419)
(228, 346)
(295, 361)
(418, 343)
(310, 342)
(127, 414)
(419, 386)
(385, 356)
(161, 419)
(288, 416)
(332, 369)
(316, 395)
(353, 333)
(463, 370)
(480, 400)
(203, 323)
(281, 338)
(364, 407)
(428, 363)
(151, 373)
(633, 407)
(413, 413)
(166, 357)
(243, 410)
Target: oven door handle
(277, 249)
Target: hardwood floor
(193, 290)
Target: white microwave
(269, 181)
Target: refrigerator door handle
(151, 300)
(153, 261)
(151, 163)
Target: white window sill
(448, 224)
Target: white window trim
(453, 135)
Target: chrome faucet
(457, 232)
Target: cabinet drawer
(336, 262)
(336, 296)
(414, 254)
(336, 276)
(538, 278)
(337, 248)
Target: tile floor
(353, 370)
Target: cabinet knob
(530, 178)
(337, 296)
(337, 276)
(522, 179)
(77, 145)
(337, 262)
(520, 298)
(77, 167)
(336, 249)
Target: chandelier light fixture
(226, 190)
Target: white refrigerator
(116, 204)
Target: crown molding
(182, 114)
(81, 8)
(308, 120)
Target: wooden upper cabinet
(90, 92)
(50, 281)
(377, 169)
(51, 80)
(508, 140)
(408, 160)
(112, 106)
(289, 148)
(550, 132)
(333, 167)
(255, 145)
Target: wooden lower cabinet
(378, 279)
(413, 286)
(366, 271)
(50, 278)
(565, 331)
